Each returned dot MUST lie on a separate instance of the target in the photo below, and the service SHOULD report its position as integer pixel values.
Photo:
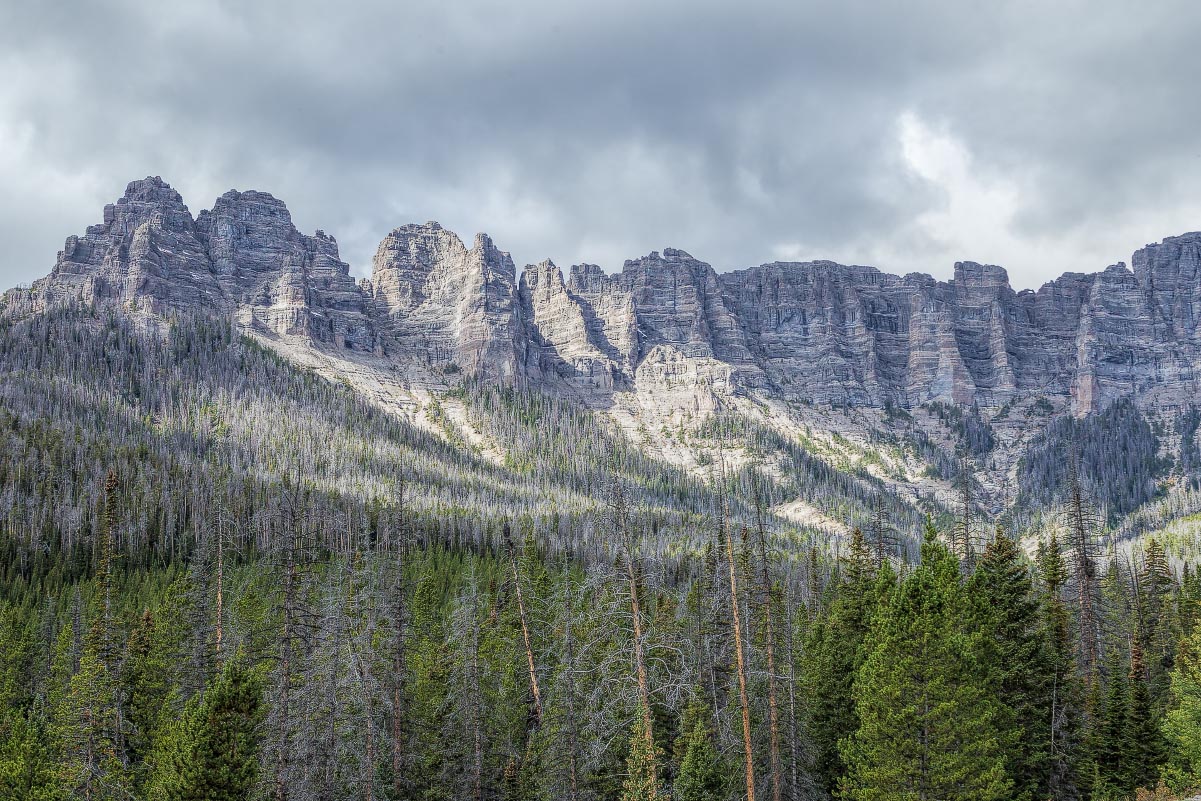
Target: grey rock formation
(448, 305)
(815, 331)
(146, 253)
(277, 278)
(244, 258)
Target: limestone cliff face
(564, 332)
(667, 324)
(279, 279)
(243, 258)
(145, 253)
(448, 305)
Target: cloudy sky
(904, 135)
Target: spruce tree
(1145, 753)
(145, 683)
(1013, 660)
(832, 655)
(927, 727)
(1065, 714)
(28, 768)
(1182, 724)
(700, 774)
(1108, 737)
(213, 753)
(641, 783)
(1157, 624)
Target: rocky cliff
(815, 332)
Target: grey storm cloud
(1043, 137)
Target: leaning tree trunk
(525, 629)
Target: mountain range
(904, 380)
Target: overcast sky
(903, 135)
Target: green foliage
(1012, 656)
(28, 768)
(407, 671)
(1118, 443)
(701, 774)
(1182, 724)
(641, 782)
(212, 753)
(928, 726)
(833, 654)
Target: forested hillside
(227, 577)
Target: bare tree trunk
(398, 646)
(525, 629)
(772, 708)
(398, 672)
(283, 757)
(1080, 521)
(477, 734)
(285, 667)
(569, 657)
(621, 519)
(748, 753)
(220, 585)
(794, 746)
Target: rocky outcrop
(447, 305)
(279, 279)
(146, 253)
(244, 258)
(563, 329)
(666, 323)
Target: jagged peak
(428, 232)
(545, 272)
(251, 195)
(973, 271)
(151, 189)
(484, 244)
(675, 254)
(418, 228)
(1187, 237)
(262, 203)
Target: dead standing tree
(767, 589)
(736, 614)
(619, 511)
(525, 628)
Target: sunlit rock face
(815, 332)
(280, 279)
(446, 304)
(145, 253)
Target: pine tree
(89, 720)
(832, 654)
(1182, 724)
(927, 727)
(1157, 625)
(1064, 716)
(700, 775)
(213, 754)
(1014, 661)
(1145, 752)
(1081, 522)
(1188, 600)
(145, 682)
(641, 783)
(1108, 738)
(28, 768)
